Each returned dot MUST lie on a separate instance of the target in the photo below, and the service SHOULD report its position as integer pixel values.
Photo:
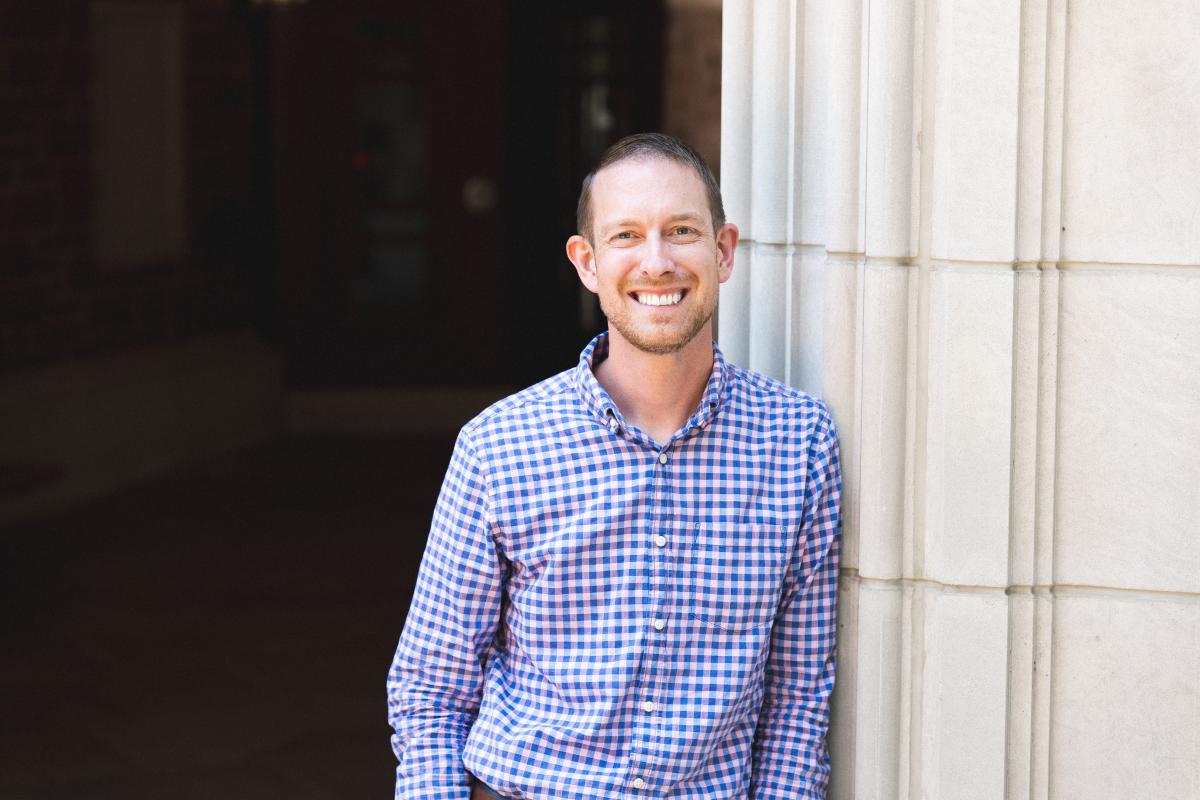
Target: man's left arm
(790, 755)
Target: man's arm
(790, 756)
(436, 681)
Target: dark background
(327, 151)
(258, 261)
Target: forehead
(645, 189)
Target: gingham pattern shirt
(599, 615)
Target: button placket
(659, 574)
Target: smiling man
(629, 587)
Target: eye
(684, 232)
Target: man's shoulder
(528, 406)
(765, 394)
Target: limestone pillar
(973, 227)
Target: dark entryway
(382, 190)
(426, 160)
(224, 632)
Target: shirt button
(662, 458)
(648, 706)
(660, 541)
(659, 624)
(638, 783)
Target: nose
(657, 258)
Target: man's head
(650, 145)
(655, 245)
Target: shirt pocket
(736, 574)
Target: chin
(659, 348)
(663, 344)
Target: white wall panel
(807, 319)
(1127, 697)
(881, 436)
(844, 152)
(769, 282)
(737, 69)
(963, 688)
(967, 456)
(1129, 430)
(974, 132)
(809, 218)
(874, 736)
(1132, 181)
(771, 128)
(888, 201)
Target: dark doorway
(581, 76)
(387, 120)
(426, 163)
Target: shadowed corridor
(223, 632)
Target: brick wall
(692, 76)
(54, 303)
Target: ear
(727, 239)
(584, 258)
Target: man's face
(654, 258)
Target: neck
(657, 393)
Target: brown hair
(650, 145)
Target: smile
(658, 299)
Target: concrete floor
(223, 632)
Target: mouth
(671, 298)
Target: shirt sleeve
(790, 755)
(435, 683)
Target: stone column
(973, 227)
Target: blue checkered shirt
(599, 615)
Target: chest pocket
(736, 574)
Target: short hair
(650, 145)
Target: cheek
(613, 278)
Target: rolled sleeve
(435, 683)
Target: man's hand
(480, 792)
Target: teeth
(647, 299)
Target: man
(630, 581)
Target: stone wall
(972, 227)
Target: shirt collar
(599, 403)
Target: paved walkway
(219, 634)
